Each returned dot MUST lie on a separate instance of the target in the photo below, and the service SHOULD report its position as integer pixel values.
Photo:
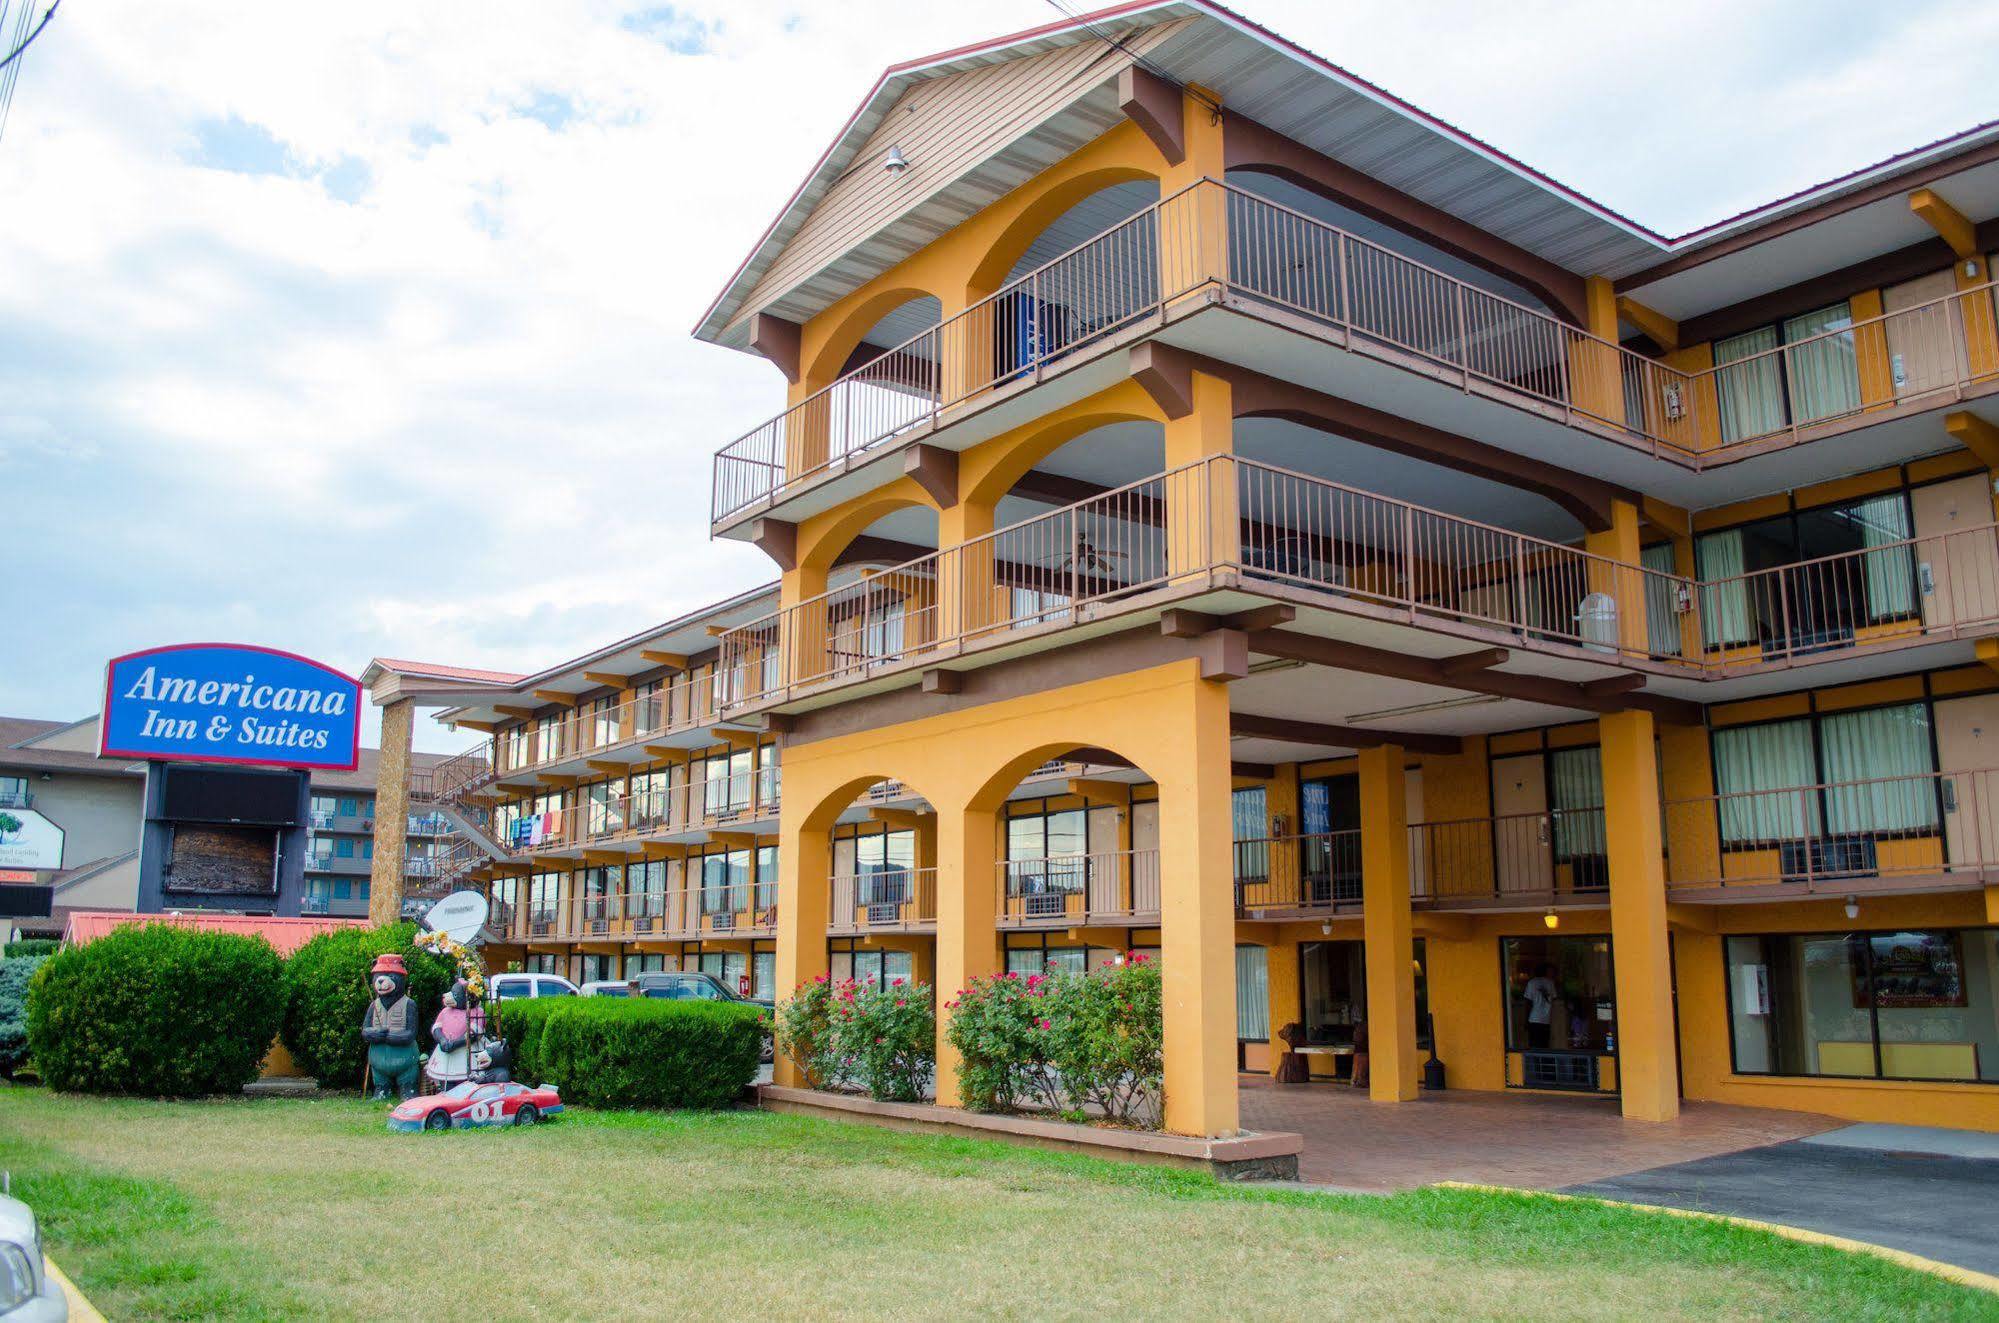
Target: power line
(10, 65)
(1117, 44)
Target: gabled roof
(1288, 88)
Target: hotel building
(1222, 510)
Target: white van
(507, 987)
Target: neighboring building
(52, 768)
(1457, 608)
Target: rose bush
(1000, 1028)
(878, 1037)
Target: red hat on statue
(390, 964)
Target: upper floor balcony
(1234, 525)
(1219, 249)
(618, 815)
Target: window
(1810, 578)
(544, 895)
(1876, 767)
(767, 776)
(595, 968)
(1032, 606)
(1252, 994)
(766, 878)
(323, 806)
(1045, 852)
(548, 740)
(881, 863)
(599, 885)
(726, 783)
(1912, 1005)
(646, 884)
(1249, 811)
(1560, 995)
(725, 882)
(645, 805)
(730, 967)
(763, 973)
(344, 848)
(1575, 799)
(1761, 387)
(1047, 960)
(347, 808)
(605, 721)
(605, 808)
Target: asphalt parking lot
(1935, 1200)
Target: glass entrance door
(1328, 807)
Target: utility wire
(10, 65)
(1117, 44)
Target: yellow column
(1281, 970)
(804, 864)
(967, 910)
(1596, 385)
(1623, 580)
(1197, 916)
(1203, 526)
(1648, 1073)
(1193, 213)
(968, 592)
(1386, 925)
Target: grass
(285, 1208)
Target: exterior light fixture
(1853, 907)
(1552, 919)
(1325, 930)
(895, 162)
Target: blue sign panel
(230, 703)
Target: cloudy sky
(363, 329)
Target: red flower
(1041, 1024)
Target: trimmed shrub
(16, 971)
(155, 1009)
(1000, 1027)
(30, 946)
(635, 1052)
(327, 991)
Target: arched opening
(877, 375)
(869, 594)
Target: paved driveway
(1937, 1204)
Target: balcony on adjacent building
(734, 801)
(1112, 887)
(1218, 245)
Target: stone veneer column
(392, 806)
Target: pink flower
(1011, 975)
(895, 983)
(1041, 1024)
(901, 1001)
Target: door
(1922, 347)
(1329, 845)
(1967, 736)
(1524, 851)
(1958, 571)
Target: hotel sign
(230, 703)
(28, 840)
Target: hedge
(155, 1009)
(16, 971)
(327, 988)
(30, 946)
(634, 1052)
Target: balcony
(1287, 877)
(16, 799)
(1272, 262)
(688, 704)
(1116, 887)
(892, 900)
(676, 913)
(1231, 523)
(737, 801)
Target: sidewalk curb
(80, 1308)
(1935, 1267)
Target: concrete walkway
(1928, 1192)
(1532, 1141)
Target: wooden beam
(1987, 653)
(607, 678)
(908, 819)
(777, 339)
(1976, 435)
(1223, 654)
(779, 723)
(735, 739)
(1154, 104)
(1165, 375)
(487, 726)
(935, 470)
(1263, 617)
(1663, 330)
(1448, 926)
(777, 539)
(1342, 737)
(606, 765)
(1342, 655)
(1610, 686)
(668, 751)
(1178, 622)
(733, 840)
(1465, 663)
(560, 780)
(1105, 794)
(602, 858)
(556, 696)
(1668, 519)
(662, 850)
(507, 711)
(939, 681)
(1947, 221)
(675, 660)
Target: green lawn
(294, 1208)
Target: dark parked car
(690, 985)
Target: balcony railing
(703, 802)
(683, 705)
(891, 900)
(1374, 555)
(1281, 875)
(1064, 891)
(1528, 857)
(1838, 836)
(1371, 300)
(17, 799)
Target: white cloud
(363, 329)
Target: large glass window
(725, 882)
(1575, 796)
(645, 884)
(1560, 996)
(1801, 370)
(1250, 819)
(727, 785)
(1915, 1005)
(1252, 994)
(766, 877)
(866, 966)
(1810, 578)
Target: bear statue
(389, 1029)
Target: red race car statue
(467, 1105)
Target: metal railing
(1836, 835)
(888, 900)
(1421, 565)
(683, 806)
(1522, 856)
(1109, 886)
(1297, 874)
(1373, 300)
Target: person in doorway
(1540, 993)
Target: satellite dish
(458, 916)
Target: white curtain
(1823, 379)
(1724, 594)
(1252, 993)
(1889, 569)
(1756, 769)
(1750, 389)
(1889, 742)
(1576, 778)
(1662, 620)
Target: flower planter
(1271, 1156)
